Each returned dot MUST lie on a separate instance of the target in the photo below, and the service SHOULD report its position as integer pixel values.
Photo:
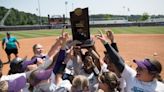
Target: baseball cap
(18, 60)
(15, 65)
(149, 65)
(17, 84)
(40, 75)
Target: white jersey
(65, 84)
(134, 85)
(122, 84)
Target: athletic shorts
(10, 51)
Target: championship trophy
(80, 27)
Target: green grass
(116, 30)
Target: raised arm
(52, 54)
(59, 42)
(115, 57)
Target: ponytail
(159, 78)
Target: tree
(20, 18)
(145, 16)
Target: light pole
(126, 10)
(66, 8)
(128, 13)
(38, 18)
(40, 22)
(66, 2)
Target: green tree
(145, 16)
(20, 18)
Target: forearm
(18, 44)
(94, 54)
(54, 50)
(115, 58)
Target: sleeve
(115, 58)
(114, 45)
(128, 73)
(32, 61)
(60, 59)
(26, 63)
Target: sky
(60, 7)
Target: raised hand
(110, 35)
(101, 37)
(64, 36)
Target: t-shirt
(135, 85)
(10, 43)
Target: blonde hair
(111, 80)
(3, 86)
(34, 47)
(80, 83)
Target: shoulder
(160, 84)
(12, 37)
(128, 72)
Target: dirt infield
(131, 47)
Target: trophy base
(87, 43)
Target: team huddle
(68, 67)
